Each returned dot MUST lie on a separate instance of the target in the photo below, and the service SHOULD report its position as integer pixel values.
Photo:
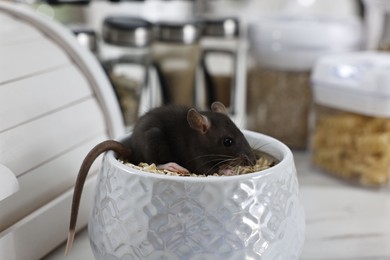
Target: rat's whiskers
(215, 156)
(213, 167)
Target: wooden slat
(13, 31)
(28, 58)
(43, 230)
(34, 143)
(34, 96)
(52, 178)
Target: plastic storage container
(284, 49)
(351, 135)
(377, 24)
(126, 59)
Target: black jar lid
(127, 31)
(67, 2)
(85, 35)
(178, 32)
(223, 27)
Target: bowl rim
(271, 143)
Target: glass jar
(377, 24)
(175, 54)
(126, 59)
(351, 134)
(218, 62)
(285, 48)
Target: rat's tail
(102, 147)
(69, 243)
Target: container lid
(357, 82)
(380, 4)
(127, 31)
(224, 27)
(85, 35)
(294, 42)
(178, 32)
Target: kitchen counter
(343, 221)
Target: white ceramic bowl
(140, 215)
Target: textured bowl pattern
(147, 216)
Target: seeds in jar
(128, 92)
(384, 47)
(278, 104)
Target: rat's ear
(198, 121)
(219, 107)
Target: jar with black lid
(86, 37)
(176, 54)
(126, 59)
(219, 61)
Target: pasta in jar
(352, 146)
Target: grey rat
(175, 138)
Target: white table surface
(343, 222)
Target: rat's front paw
(173, 167)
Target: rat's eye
(228, 142)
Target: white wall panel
(44, 183)
(37, 142)
(28, 58)
(37, 234)
(56, 103)
(31, 97)
(13, 31)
